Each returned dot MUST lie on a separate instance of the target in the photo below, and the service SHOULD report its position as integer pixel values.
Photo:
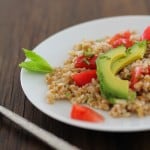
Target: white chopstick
(47, 137)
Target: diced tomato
(126, 42)
(121, 39)
(85, 114)
(114, 38)
(86, 62)
(84, 77)
(135, 76)
(149, 69)
(126, 34)
(146, 34)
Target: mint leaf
(35, 62)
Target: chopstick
(45, 136)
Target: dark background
(25, 23)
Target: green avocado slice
(137, 51)
(111, 86)
(131, 97)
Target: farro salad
(111, 74)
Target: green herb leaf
(88, 53)
(35, 62)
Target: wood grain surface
(25, 23)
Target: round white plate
(55, 50)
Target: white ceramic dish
(55, 50)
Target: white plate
(55, 51)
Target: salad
(112, 74)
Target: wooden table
(25, 24)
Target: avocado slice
(111, 86)
(131, 97)
(137, 51)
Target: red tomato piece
(126, 34)
(86, 62)
(84, 113)
(146, 71)
(128, 43)
(135, 76)
(121, 39)
(149, 70)
(117, 42)
(84, 77)
(146, 34)
(114, 38)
